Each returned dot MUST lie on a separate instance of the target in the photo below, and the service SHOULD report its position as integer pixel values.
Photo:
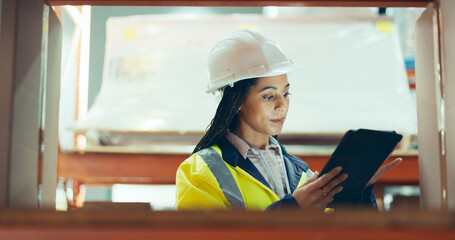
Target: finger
(383, 170)
(334, 182)
(329, 198)
(324, 179)
(393, 164)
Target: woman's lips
(278, 120)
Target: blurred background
(133, 102)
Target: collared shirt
(272, 156)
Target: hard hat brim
(276, 72)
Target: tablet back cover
(360, 154)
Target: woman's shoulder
(196, 160)
(195, 170)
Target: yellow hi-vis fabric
(197, 187)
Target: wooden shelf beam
(127, 223)
(111, 168)
(247, 3)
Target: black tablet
(360, 153)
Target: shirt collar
(243, 147)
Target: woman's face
(265, 108)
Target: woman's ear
(238, 109)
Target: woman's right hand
(318, 192)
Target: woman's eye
(268, 97)
(287, 94)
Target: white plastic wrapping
(155, 74)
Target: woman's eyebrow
(273, 87)
(269, 87)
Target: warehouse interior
(105, 99)
(322, 100)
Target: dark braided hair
(226, 113)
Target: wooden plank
(447, 32)
(262, 233)
(128, 224)
(109, 168)
(27, 105)
(247, 3)
(407, 173)
(48, 172)
(8, 42)
(427, 114)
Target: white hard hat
(245, 54)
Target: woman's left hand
(383, 170)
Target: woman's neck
(257, 139)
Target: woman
(239, 164)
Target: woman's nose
(281, 103)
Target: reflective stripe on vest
(224, 177)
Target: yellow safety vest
(206, 181)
